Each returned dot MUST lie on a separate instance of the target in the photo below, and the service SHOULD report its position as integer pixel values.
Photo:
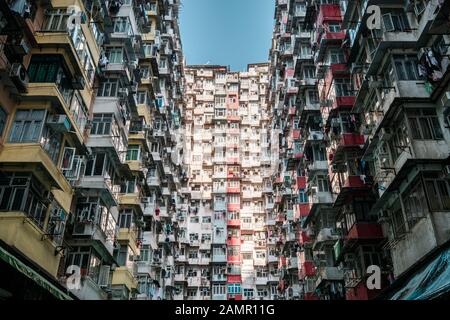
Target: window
(309, 72)
(27, 125)
(206, 219)
(218, 289)
(406, 67)
(122, 25)
(46, 68)
(79, 111)
(395, 21)
(115, 55)
(95, 165)
(334, 27)
(437, 191)
(22, 192)
(323, 184)
(101, 124)
(133, 152)
(398, 220)
(399, 139)
(248, 293)
(343, 87)
(233, 251)
(125, 219)
(234, 288)
(3, 117)
(145, 253)
(194, 219)
(424, 124)
(108, 88)
(56, 20)
(336, 56)
(80, 257)
(313, 96)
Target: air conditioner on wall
(19, 75)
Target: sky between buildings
(226, 32)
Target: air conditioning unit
(21, 48)
(19, 75)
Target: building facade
(359, 95)
(90, 159)
(228, 151)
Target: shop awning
(429, 282)
(33, 275)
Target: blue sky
(226, 32)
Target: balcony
(58, 95)
(261, 281)
(129, 237)
(221, 277)
(234, 207)
(292, 263)
(194, 281)
(303, 238)
(132, 200)
(180, 277)
(220, 206)
(219, 189)
(35, 158)
(351, 140)
(364, 231)
(219, 297)
(329, 274)
(307, 269)
(123, 276)
(219, 258)
(21, 233)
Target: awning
(33, 275)
(429, 282)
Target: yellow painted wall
(123, 276)
(19, 232)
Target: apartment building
(362, 179)
(228, 151)
(91, 162)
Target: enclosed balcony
(307, 269)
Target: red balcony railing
(303, 210)
(344, 102)
(311, 296)
(354, 182)
(301, 183)
(233, 241)
(303, 237)
(234, 207)
(329, 13)
(233, 190)
(234, 118)
(351, 140)
(233, 222)
(282, 262)
(365, 230)
(307, 270)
